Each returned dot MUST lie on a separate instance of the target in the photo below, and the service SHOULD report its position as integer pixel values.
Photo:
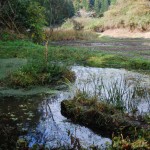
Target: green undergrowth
(22, 63)
(37, 73)
(113, 39)
(118, 61)
(125, 143)
(71, 55)
(87, 22)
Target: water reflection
(115, 86)
(54, 130)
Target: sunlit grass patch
(118, 61)
(107, 60)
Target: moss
(100, 117)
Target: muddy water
(43, 120)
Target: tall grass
(71, 34)
(132, 14)
(124, 94)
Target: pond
(43, 123)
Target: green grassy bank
(23, 64)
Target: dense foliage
(21, 15)
(32, 15)
(99, 6)
(57, 10)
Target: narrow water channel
(53, 130)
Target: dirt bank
(125, 33)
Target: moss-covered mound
(100, 117)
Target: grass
(70, 35)
(71, 55)
(125, 143)
(23, 66)
(128, 14)
(75, 29)
(22, 62)
(118, 61)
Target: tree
(104, 5)
(77, 5)
(84, 4)
(97, 6)
(88, 4)
(56, 11)
(113, 1)
(36, 20)
(19, 15)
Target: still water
(44, 123)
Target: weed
(37, 73)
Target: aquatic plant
(123, 93)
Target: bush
(27, 15)
(38, 73)
(36, 21)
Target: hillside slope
(132, 14)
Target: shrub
(38, 73)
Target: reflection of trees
(126, 92)
(49, 132)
